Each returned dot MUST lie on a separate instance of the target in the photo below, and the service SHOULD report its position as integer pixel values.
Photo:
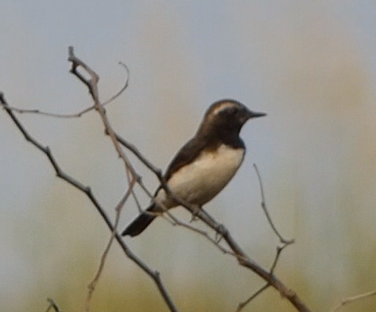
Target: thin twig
(264, 207)
(279, 249)
(258, 292)
(271, 272)
(94, 282)
(92, 85)
(353, 299)
(52, 305)
(80, 113)
(278, 254)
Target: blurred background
(310, 65)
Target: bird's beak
(255, 114)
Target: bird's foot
(195, 212)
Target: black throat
(216, 137)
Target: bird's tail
(139, 224)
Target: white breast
(202, 180)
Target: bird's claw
(195, 212)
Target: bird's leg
(196, 209)
(199, 213)
(219, 229)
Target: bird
(204, 165)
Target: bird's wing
(186, 154)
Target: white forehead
(223, 106)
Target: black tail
(140, 223)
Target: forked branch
(90, 79)
(154, 275)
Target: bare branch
(278, 254)
(92, 85)
(243, 304)
(52, 305)
(90, 79)
(131, 147)
(276, 258)
(80, 113)
(154, 275)
(245, 261)
(114, 97)
(263, 205)
(94, 282)
(353, 299)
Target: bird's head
(227, 115)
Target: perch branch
(242, 258)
